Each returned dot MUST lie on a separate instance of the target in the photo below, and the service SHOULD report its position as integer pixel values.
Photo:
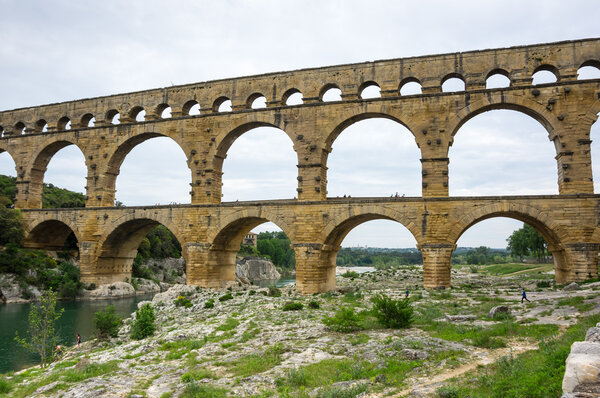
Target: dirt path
(426, 385)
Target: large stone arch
(356, 115)
(227, 138)
(117, 248)
(213, 264)
(552, 231)
(504, 101)
(39, 164)
(116, 158)
(51, 233)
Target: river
(78, 317)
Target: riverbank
(249, 345)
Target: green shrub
(183, 301)
(392, 313)
(344, 321)
(210, 303)
(143, 325)
(542, 284)
(5, 386)
(448, 392)
(225, 297)
(107, 323)
(314, 304)
(350, 274)
(274, 291)
(251, 292)
(292, 306)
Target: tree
(107, 322)
(11, 230)
(42, 332)
(143, 325)
(527, 241)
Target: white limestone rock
(256, 269)
(582, 367)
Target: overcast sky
(62, 50)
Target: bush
(274, 291)
(350, 274)
(210, 303)
(392, 313)
(225, 297)
(542, 284)
(344, 321)
(291, 306)
(143, 325)
(314, 304)
(183, 301)
(107, 323)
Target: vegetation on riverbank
(52, 197)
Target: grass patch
(89, 370)
(194, 390)
(229, 324)
(257, 363)
(177, 349)
(197, 374)
(505, 269)
(537, 373)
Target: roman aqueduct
(210, 231)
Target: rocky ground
(248, 346)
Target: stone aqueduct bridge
(210, 231)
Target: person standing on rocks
(78, 340)
(524, 296)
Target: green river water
(78, 317)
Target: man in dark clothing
(524, 296)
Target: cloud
(65, 50)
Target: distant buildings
(250, 239)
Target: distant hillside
(52, 197)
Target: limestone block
(582, 366)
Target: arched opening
(164, 111)
(138, 114)
(88, 120)
(261, 164)
(41, 126)
(254, 250)
(589, 70)
(369, 90)
(256, 101)
(191, 108)
(293, 97)
(113, 116)
(497, 79)
(545, 74)
(2, 132)
(8, 174)
(135, 249)
(367, 242)
(595, 154)
(152, 169)
(52, 235)
(410, 86)
(222, 104)
(372, 155)
(453, 83)
(330, 92)
(502, 152)
(507, 244)
(20, 128)
(64, 176)
(64, 123)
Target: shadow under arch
(219, 267)
(50, 235)
(118, 156)
(118, 248)
(550, 230)
(39, 165)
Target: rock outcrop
(112, 290)
(256, 269)
(13, 292)
(582, 372)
